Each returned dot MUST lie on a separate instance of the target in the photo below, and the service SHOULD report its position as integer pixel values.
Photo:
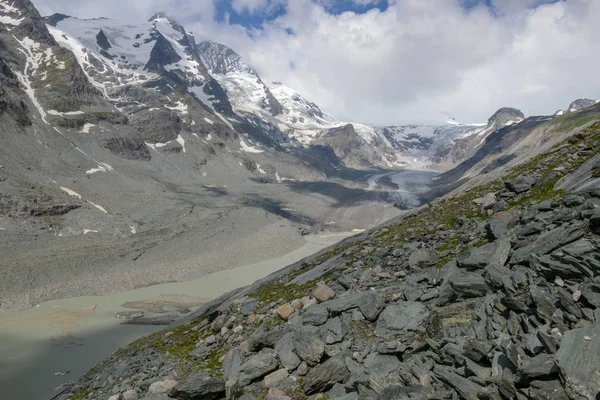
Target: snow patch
(249, 149)
(62, 114)
(181, 141)
(102, 167)
(155, 146)
(209, 121)
(33, 59)
(6, 8)
(71, 193)
(86, 128)
(180, 107)
(98, 207)
(259, 169)
(133, 229)
(86, 231)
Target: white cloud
(256, 6)
(417, 57)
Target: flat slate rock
(579, 360)
(401, 317)
(198, 387)
(322, 377)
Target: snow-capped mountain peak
(222, 60)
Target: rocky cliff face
(488, 293)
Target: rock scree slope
(491, 292)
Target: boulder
(371, 304)
(579, 361)
(257, 366)
(130, 395)
(316, 314)
(595, 222)
(161, 387)
(495, 228)
(468, 284)
(476, 257)
(322, 377)
(277, 394)
(332, 332)
(323, 293)
(419, 258)
(404, 316)
(541, 366)
(198, 387)
(489, 201)
(520, 184)
(309, 345)
(465, 388)
(285, 350)
(286, 311)
(274, 378)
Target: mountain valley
(133, 155)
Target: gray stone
(322, 377)
(568, 304)
(274, 378)
(545, 205)
(285, 351)
(266, 336)
(198, 387)
(468, 284)
(595, 222)
(547, 390)
(495, 228)
(308, 345)
(419, 258)
(332, 331)
(591, 292)
(520, 184)
(530, 229)
(316, 314)
(257, 366)
(476, 257)
(545, 301)
(540, 366)
(573, 200)
(548, 242)
(219, 323)
(579, 360)
(232, 362)
(371, 304)
(489, 201)
(465, 388)
(248, 308)
(401, 317)
(477, 350)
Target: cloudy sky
(398, 61)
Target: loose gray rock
(257, 366)
(419, 259)
(520, 184)
(466, 388)
(468, 284)
(325, 375)
(198, 387)
(540, 366)
(309, 345)
(579, 360)
(285, 350)
(401, 317)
